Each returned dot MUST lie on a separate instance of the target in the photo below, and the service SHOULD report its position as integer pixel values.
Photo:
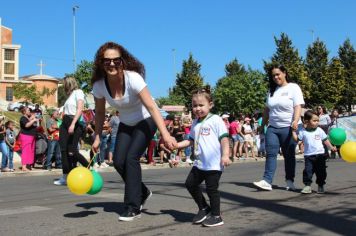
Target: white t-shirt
(208, 151)
(313, 141)
(130, 106)
(281, 105)
(247, 129)
(324, 119)
(70, 106)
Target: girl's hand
(71, 129)
(334, 149)
(225, 161)
(95, 145)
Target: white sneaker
(263, 185)
(60, 182)
(104, 165)
(96, 166)
(306, 190)
(290, 185)
(189, 161)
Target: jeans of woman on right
(279, 138)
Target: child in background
(211, 149)
(3, 146)
(313, 138)
(10, 142)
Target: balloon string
(91, 159)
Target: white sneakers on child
(263, 185)
(60, 182)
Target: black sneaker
(129, 215)
(145, 198)
(201, 215)
(212, 221)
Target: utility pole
(74, 46)
(174, 64)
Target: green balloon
(337, 136)
(97, 183)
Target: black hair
(272, 84)
(205, 91)
(308, 115)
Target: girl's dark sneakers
(201, 215)
(212, 221)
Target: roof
(39, 77)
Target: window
(9, 78)
(10, 54)
(9, 68)
(9, 94)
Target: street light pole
(74, 55)
(174, 63)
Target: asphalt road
(31, 205)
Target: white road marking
(23, 210)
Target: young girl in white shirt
(210, 140)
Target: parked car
(15, 106)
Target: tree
(83, 74)
(31, 93)
(234, 68)
(187, 81)
(347, 55)
(288, 56)
(317, 65)
(240, 93)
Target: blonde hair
(70, 84)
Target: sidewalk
(38, 170)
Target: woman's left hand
(71, 129)
(294, 125)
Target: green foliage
(31, 93)
(287, 55)
(240, 93)
(83, 74)
(347, 55)
(62, 96)
(317, 65)
(234, 68)
(187, 81)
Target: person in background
(10, 142)
(3, 147)
(53, 141)
(325, 120)
(282, 112)
(334, 124)
(71, 130)
(114, 125)
(187, 124)
(313, 138)
(28, 131)
(105, 134)
(248, 137)
(118, 78)
(233, 132)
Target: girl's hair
(7, 124)
(322, 107)
(272, 84)
(128, 61)
(308, 115)
(70, 84)
(205, 91)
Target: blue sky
(214, 31)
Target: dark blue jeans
(279, 138)
(315, 164)
(54, 149)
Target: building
(9, 73)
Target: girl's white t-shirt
(281, 105)
(208, 152)
(70, 106)
(130, 105)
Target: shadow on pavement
(115, 207)
(179, 215)
(80, 214)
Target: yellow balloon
(348, 151)
(80, 180)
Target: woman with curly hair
(118, 78)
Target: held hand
(71, 129)
(334, 149)
(95, 145)
(170, 143)
(294, 125)
(225, 161)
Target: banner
(349, 125)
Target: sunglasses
(107, 61)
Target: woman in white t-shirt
(283, 109)
(70, 130)
(118, 79)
